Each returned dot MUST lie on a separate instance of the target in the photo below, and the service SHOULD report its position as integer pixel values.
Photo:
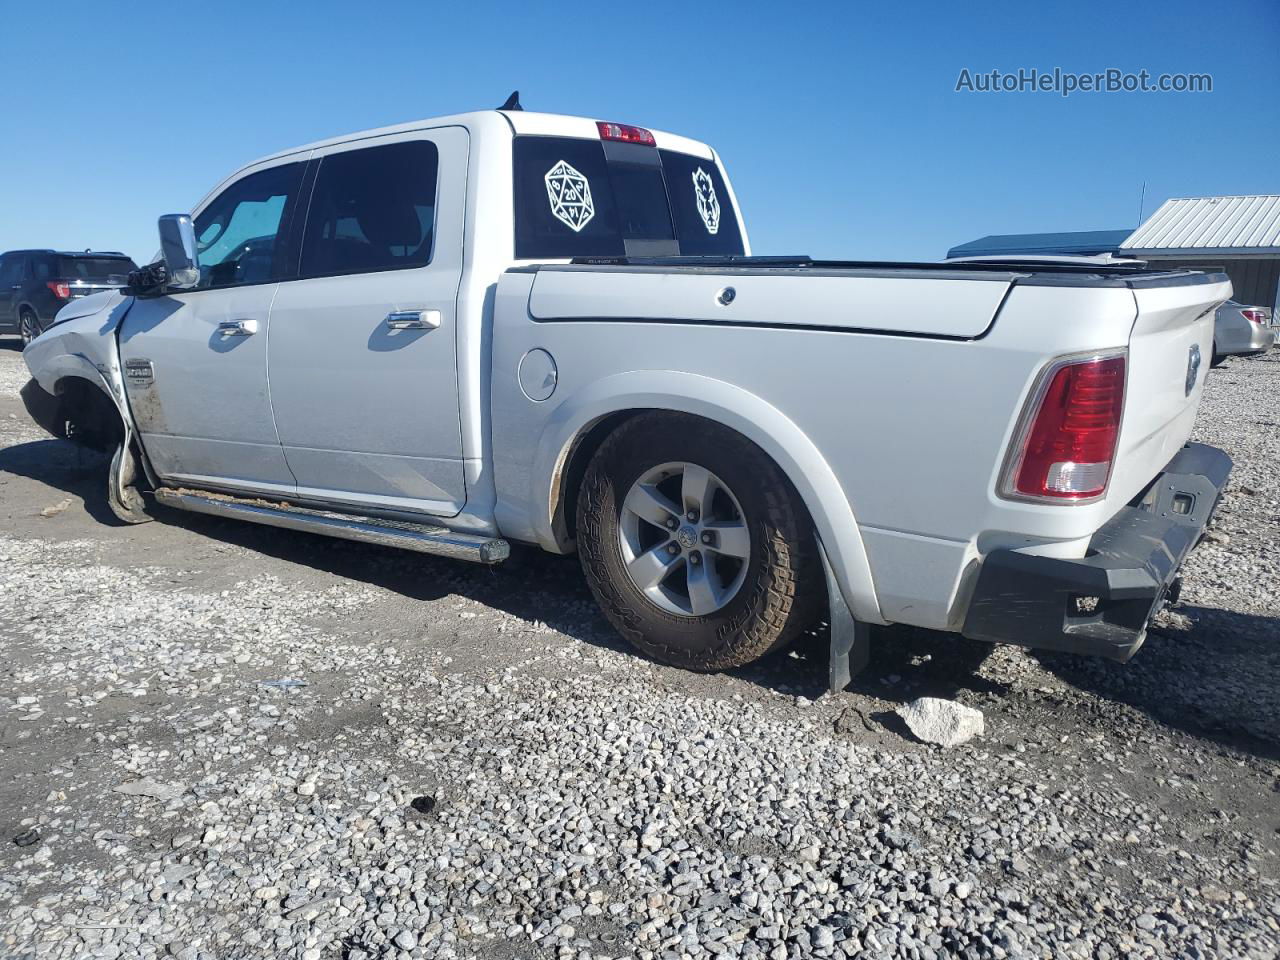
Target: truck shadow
(1208, 672)
(64, 466)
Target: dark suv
(36, 284)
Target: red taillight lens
(620, 131)
(1255, 316)
(60, 290)
(1067, 447)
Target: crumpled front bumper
(44, 408)
(1101, 604)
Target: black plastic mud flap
(850, 638)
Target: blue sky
(839, 122)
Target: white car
(508, 326)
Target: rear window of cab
(592, 198)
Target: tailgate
(1170, 347)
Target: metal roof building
(1228, 226)
(1076, 242)
(1240, 235)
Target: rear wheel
(694, 544)
(28, 326)
(1217, 359)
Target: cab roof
(518, 122)
(68, 253)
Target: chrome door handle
(238, 328)
(413, 319)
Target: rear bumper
(1101, 604)
(1256, 339)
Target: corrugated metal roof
(1070, 242)
(1205, 224)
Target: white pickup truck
(508, 326)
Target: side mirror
(178, 251)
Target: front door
(195, 362)
(362, 360)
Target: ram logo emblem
(1193, 369)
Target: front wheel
(694, 543)
(28, 327)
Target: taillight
(1254, 315)
(620, 131)
(1067, 440)
(60, 290)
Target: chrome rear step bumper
(421, 538)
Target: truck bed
(922, 300)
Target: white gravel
(466, 764)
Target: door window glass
(10, 269)
(241, 235)
(372, 209)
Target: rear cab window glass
(372, 209)
(105, 269)
(700, 204)
(590, 198)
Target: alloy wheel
(684, 539)
(28, 328)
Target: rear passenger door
(362, 356)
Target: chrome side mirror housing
(178, 251)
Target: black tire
(783, 588)
(28, 325)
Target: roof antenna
(513, 102)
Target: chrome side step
(419, 537)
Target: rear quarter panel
(910, 430)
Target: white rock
(943, 722)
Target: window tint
(10, 269)
(705, 221)
(110, 269)
(241, 235)
(372, 209)
(587, 198)
(564, 204)
(42, 267)
(640, 192)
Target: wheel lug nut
(695, 558)
(672, 523)
(673, 548)
(692, 516)
(706, 538)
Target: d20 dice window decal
(704, 193)
(570, 196)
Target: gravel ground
(218, 740)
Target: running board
(419, 537)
